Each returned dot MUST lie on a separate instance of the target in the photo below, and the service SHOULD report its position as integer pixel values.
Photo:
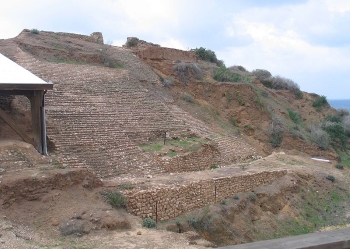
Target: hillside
(107, 119)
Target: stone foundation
(169, 202)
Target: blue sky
(307, 41)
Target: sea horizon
(340, 103)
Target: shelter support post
(38, 121)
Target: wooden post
(36, 104)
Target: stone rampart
(169, 202)
(146, 50)
(160, 53)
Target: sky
(307, 41)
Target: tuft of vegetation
(167, 82)
(330, 178)
(294, 116)
(132, 42)
(149, 223)
(224, 74)
(253, 197)
(126, 185)
(319, 102)
(187, 70)
(339, 166)
(277, 132)
(298, 93)
(34, 31)
(116, 199)
(207, 55)
(194, 222)
(187, 97)
(214, 167)
(334, 118)
(319, 137)
(343, 112)
(172, 153)
(151, 147)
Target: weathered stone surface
(171, 201)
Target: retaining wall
(199, 160)
(165, 203)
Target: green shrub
(187, 97)
(253, 197)
(34, 31)
(331, 178)
(223, 202)
(194, 222)
(185, 71)
(299, 94)
(339, 166)
(261, 74)
(343, 112)
(116, 199)
(337, 133)
(319, 137)
(132, 42)
(276, 134)
(238, 68)
(319, 102)
(149, 223)
(294, 116)
(214, 167)
(224, 74)
(207, 55)
(281, 83)
(334, 118)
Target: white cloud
(338, 6)
(287, 40)
(173, 43)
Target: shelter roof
(15, 77)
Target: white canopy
(12, 73)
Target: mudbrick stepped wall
(97, 115)
(169, 202)
(93, 110)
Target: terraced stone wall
(166, 203)
(199, 160)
